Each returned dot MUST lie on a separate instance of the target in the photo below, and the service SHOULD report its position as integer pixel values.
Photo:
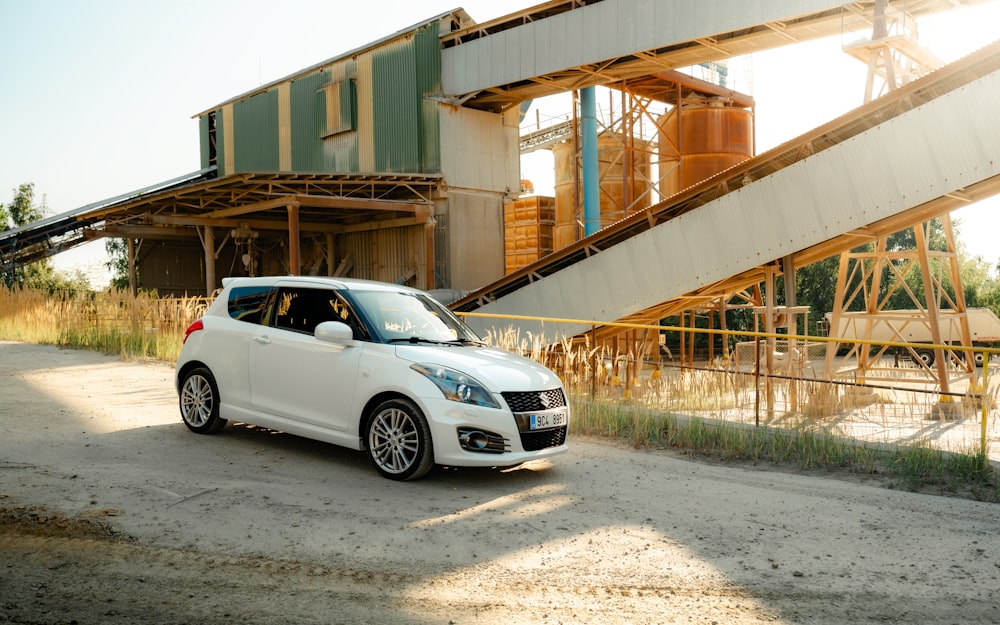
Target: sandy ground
(112, 512)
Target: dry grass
(720, 412)
(715, 411)
(110, 321)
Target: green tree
(117, 250)
(980, 281)
(816, 283)
(815, 286)
(904, 240)
(21, 212)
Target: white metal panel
(935, 149)
(603, 31)
(531, 48)
(512, 56)
(475, 244)
(479, 150)
(572, 289)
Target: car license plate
(548, 420)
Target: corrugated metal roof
(45, 237)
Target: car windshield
(404, 316)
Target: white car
(370, 366)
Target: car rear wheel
(200, 402)
(399, 441)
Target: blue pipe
(588, 140)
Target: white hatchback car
(366, 365)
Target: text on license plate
(548, 420)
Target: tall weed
(111, 321)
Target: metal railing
(777, 380)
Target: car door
(296, 376)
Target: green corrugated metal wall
(309, 122)
(394, 86)
(427, 51)
(256, 138)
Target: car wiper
(419, 339)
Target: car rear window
(246, 303)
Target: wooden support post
(692, 323)
(711, 337)
(133, 287)
(933, 305)
(208, 245)
(294, 262)
(684, 337)
(769, 314)
(629, 363)
(788, 271)
(429, 257)
(329, 255)
(724, 327)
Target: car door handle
(263, 340)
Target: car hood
(498, 369)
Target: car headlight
(457, 386)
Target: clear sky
(98, 96)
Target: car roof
(317, 281)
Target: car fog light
(475, 440)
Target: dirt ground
(112, 512)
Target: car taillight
(194, 327)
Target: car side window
(302, 309)
(247, 303)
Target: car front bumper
(474, 436)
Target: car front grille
(543, 439)
(535, 400)
(523, 404)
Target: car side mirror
(333, 332)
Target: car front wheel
(399, 441)
(200, 402)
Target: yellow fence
(788, 381)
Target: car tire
(399, 440)
(199, 401)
